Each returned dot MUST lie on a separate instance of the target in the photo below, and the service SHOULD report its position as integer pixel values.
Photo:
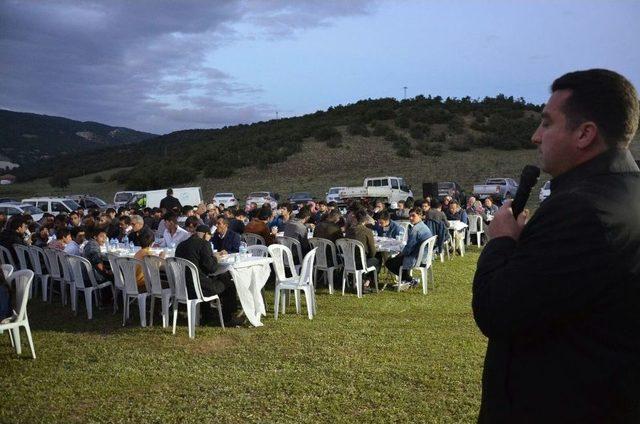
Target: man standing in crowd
(558, 297)
(170, 202)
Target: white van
(151, 199)
(53, 205)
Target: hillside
(27, 138)
(421, 126)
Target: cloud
(145, 63)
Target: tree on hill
(59, 179)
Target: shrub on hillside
(431, 149)
(439, 138)
(456, 124)
(334, 142)
(402, 121)
(380, 129)
(392, 136)
(418, 131)
(358, 128)
(326, 133)
(382, 114)
(461, 144)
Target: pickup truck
(497, 188)
(387, 189)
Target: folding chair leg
(424, 273)
(296, 293)
(375, 280)
(358, 281)
(276, 303)
(151, 310)
(307, 296)
(88, 303)
(330, 280)
(399, 278)
(16, 339)
(191, 312)
(219, 306)
(165, 311)
(175, 316)
(11, 338)
(44, 281)
(125, 309)
(142, 307)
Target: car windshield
(334, 190)
(98, 201)
(445, 186)
(71, 204)
(31, 210)
(498, 181)
(301, 196)
(259, 194)
(224, 195)
(123, 197)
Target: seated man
(138, 227)
(258, 225)
(363, 234)
(418, 233)
(330, 230)
(14, 233)
(385, 227)
(237, 222)
(456, 213)
(225, 240)
(97, 238)
(77, 239)
(63, 237)
(173, 234)
(435, 213)
(296, 228)
(197, 250)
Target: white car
(545, 191)
(262, 197)
(11, 209)
(227, 199)
(333, 195)
(53, 205)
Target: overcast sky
(162, 66)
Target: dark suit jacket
(169, 203)
(135, 235)
(561, 306)
(230, 242)
(199, 252)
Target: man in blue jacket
(418, 233)
(385, 227)
(225, 240)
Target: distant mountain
(27, 138)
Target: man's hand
(505, 225)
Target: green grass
(389, 357)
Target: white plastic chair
(67, 277)
(293, 245)
(252, 239)
(22, 280)
(118, 281)
(38, 258)
(321, 263)
(177, 269)
(476, 226)
(152, 265)
(424, 263)
(55, 274)
(127, 267)
(406, 225)
(283, 258)
(258, 251)
(349, 249)
(6, 257)
(78, 265)
(302, 283)
(7, 270)
(22, 252)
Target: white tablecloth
(388, 244)
(249, 276)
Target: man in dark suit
(138, 227)
(558, 296)
(169, 203)
(198, 251)
(225, 240)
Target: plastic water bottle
(243, 249)
(125, 240)
(131, 246)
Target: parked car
(10, 209)
(333, 195)
(88, 201)
(545, 191)
(121, 198)
(451, 188)
(497, 188)
(227, 199)
(53, 205)
(302, 197)
(262, 197)
(8, 200)
(388, 189)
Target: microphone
(528, 179)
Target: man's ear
(587, 135)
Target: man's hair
(223, 219)
(110, 210)
(435, 204)
(604, 97)
(62, 233)
(186, 208)
(136, 219)
(322, 202)
(264, 214)
(417, 210)
(360, 215)
(240, 212)
(334, 216)
(74, 231)
(170, 216)
(332, 204)
(73, 213)
(169, 192)
(191, 221)
(126, 219)
(16, 222)
(384, 215)
(146, 239)
(304, 212)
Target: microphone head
(529, 176)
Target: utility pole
(405, 92)
(276, 114)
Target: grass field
(389, 357)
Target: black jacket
(8, 238)
(230, 242)
(170, 203)
(199, 252)
(134, 236)
(561, 306)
